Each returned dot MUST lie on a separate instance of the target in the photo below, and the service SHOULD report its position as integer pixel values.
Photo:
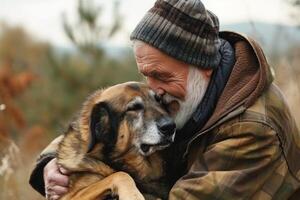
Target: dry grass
(16, 164)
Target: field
(42, 87)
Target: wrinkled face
(180, 86)
(164, 74)
(128, 117)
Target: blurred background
(54, 53)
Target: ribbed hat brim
(197, 46)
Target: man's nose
(160, 92)
(155, 86)
(159, 95)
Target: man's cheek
(151, 83)
(173, 108)
(178, 92)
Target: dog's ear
(99, 124)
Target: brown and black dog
(121, 128)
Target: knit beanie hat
(184, 30)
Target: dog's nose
(166, 126)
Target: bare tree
(87, 33)
(296, 10)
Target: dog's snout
(166, 126)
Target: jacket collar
(250, 76)
(216, 85)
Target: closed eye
(135, 107)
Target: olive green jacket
(248, 149)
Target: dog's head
(124, 117)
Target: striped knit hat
(184, 30)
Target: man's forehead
(141, 48)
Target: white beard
(196, 87)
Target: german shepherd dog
(121, 128)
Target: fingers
(50, 168)
(56, 183)
(53, 175)
(53, 197)
(58, 179)
(63, 170)
(57, 190)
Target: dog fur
(117, 131)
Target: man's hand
(56, 180)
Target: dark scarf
(214, 90)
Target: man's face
(164, 74)
(181, 87)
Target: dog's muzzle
(167, 128)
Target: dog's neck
(147, 172)
(142, 168)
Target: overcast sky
(43, 17)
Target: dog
(120, 129)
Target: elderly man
(236, 138)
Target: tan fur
(93, 178)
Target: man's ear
(207, 72)
(99, 124)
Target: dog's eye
(135, 107)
